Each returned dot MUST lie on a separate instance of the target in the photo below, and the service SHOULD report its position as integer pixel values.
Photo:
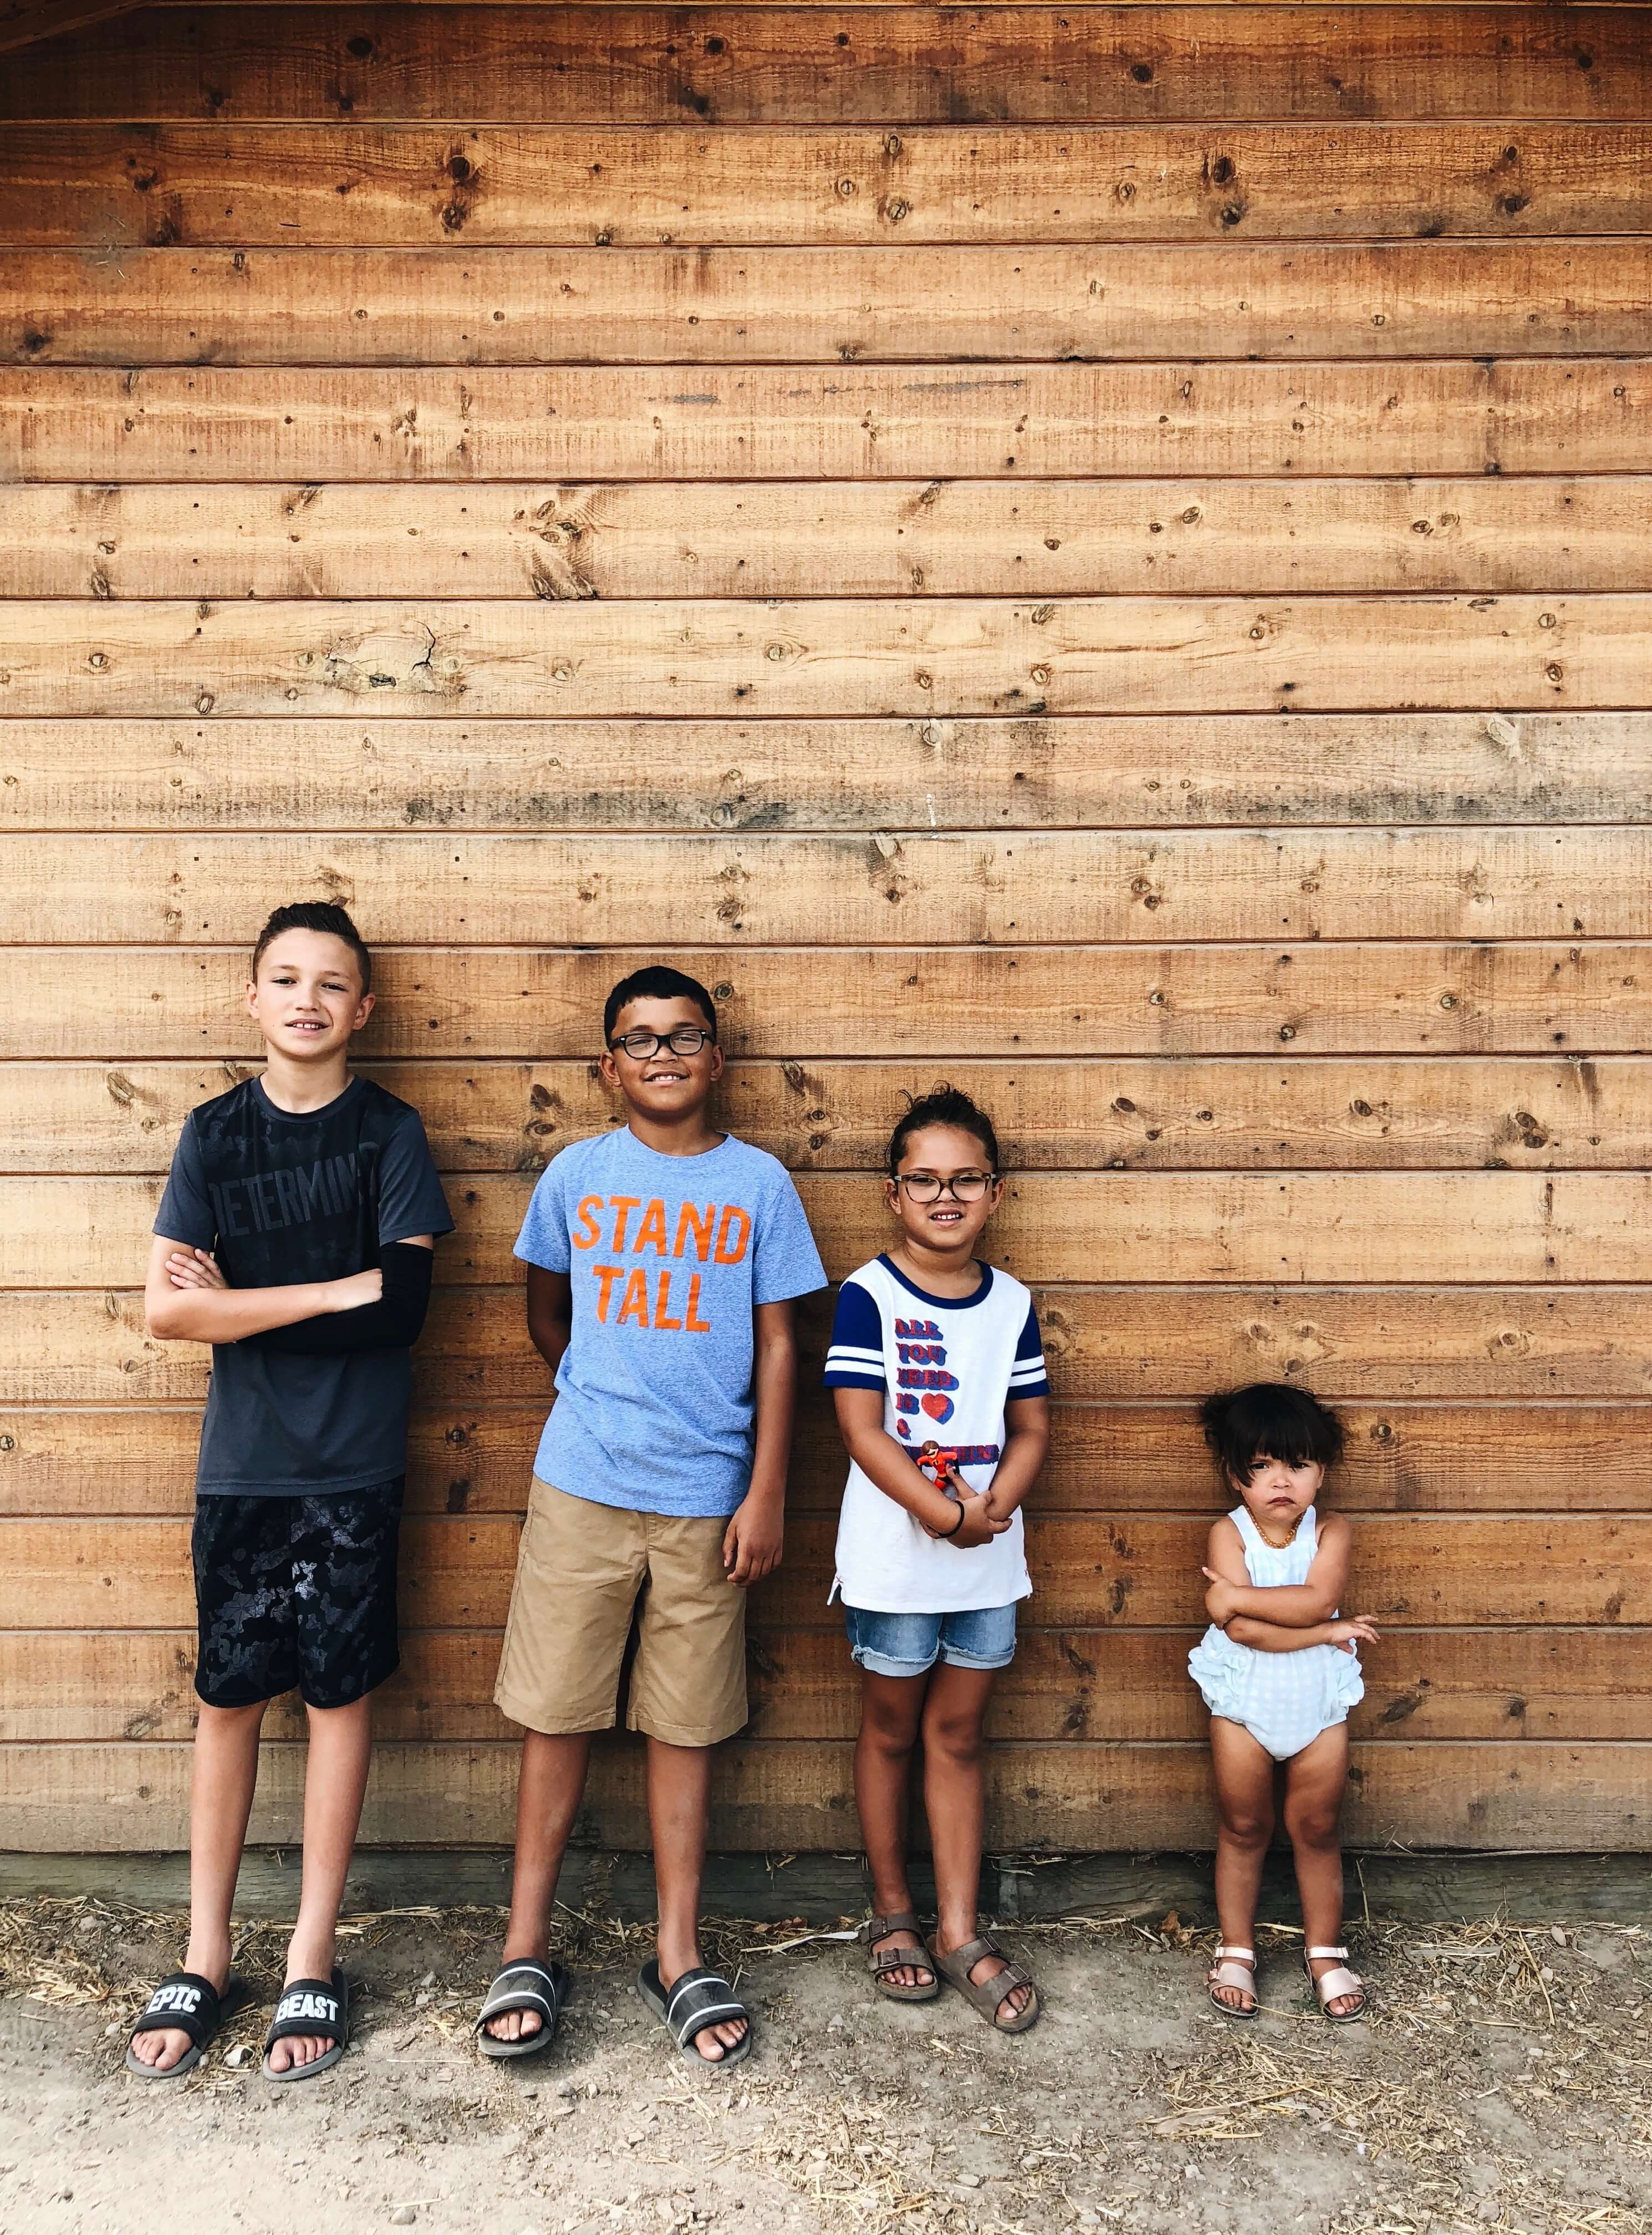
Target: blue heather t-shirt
(668, 1258)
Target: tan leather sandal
(1234, 1968)
(987, 1993)
(1331, 1986)
(880, 1962)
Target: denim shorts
(910, 1644)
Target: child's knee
(1312, 1826)
(1247, 1827)
(958, 1737)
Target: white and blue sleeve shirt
(945, 1367)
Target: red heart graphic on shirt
(939, 1407)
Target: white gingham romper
(1284, 1700)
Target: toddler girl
(930, 1559)
(1279, 1672)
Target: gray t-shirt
(280, 1199)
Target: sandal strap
(1236, 1955)
(897, 1959)
(1230, 1974)
(313, 2007)
(971, 1951)
(1331, 1985)
(183, 2002)
(502, 1997)
(700, 1999)
(1311, 1954)
(880, 1927)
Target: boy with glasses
(664, 1263)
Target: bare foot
(989, 1967)
(162, 2051)
(908, 1975)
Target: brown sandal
(987, 1993)
(879, 1964)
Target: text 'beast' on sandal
(1234, 1969)
(1332, 1986)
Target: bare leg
(223, 1775)
(954, 1801)
(335, 1783)
(1314, 1782)
(890, 1707)
(549, 1792)
(1244, 1775)
(679, 1807)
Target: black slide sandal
(185, 2003)
(313, 2007)
(542, 1988)
(698, 1999)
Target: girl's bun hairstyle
(1268, 1419)
(944, 1105)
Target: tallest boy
(664, 1260)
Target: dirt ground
(1503, 2081)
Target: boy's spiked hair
(657, 982)
(1268, 1419)
(943, 1105)
(317, 915)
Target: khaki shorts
(579, 1571)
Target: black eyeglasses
(686, 1039)
(962, 1187)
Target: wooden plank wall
(1104, 555)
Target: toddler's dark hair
(657, 981)
(943, 1105)
(318, 916)
(1268, 1419)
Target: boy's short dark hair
(1269, 1420)
(317, 915)
(658, 982)
(943, 1105)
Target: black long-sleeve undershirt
(393, 1323)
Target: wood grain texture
(1111, 1685)
(25, 22)
(1142, 1343)
(1098, 1570)
(835, 422)
(820, 65)
(1405, 1458)
(807, 539)
(1008, 773)
(1412, 996)
(716, 306)
(786, 1797)
(1117, 1226)
(825, 657)
(340, 184)
(1211, 1114)
(1030, 887)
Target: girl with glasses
(937, 1373)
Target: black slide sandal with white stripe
(696, 2000)
(316, 2008)
(185, 2003)
(527, 1985)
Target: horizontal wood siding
(1106, 555)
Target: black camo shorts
(296, 1591)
